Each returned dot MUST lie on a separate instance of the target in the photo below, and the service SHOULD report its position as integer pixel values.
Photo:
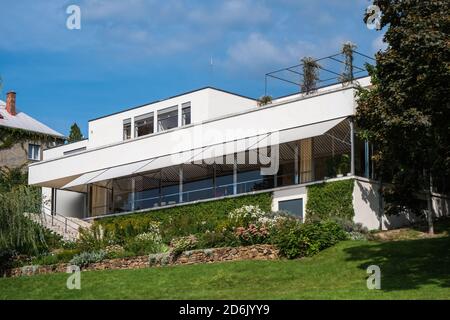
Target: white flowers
(246, 212)
(270, 221)
(150, 236)
(254, 215)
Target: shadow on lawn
(408, 264)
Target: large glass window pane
(123, 195)
(294, 207)
(147, 191)
(143, 125)
(197, 190)
(168, 118)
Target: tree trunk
(430, 204)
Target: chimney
(11, 103)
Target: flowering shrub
(246, 215)
(218, 238)
(150, 236)
(145, 243)
(253, 234)
(178, 245)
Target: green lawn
(411, 269)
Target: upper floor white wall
(206, 104)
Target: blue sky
(131, 52)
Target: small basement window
(168, 118)
(34, 152)
(186, 114)
(294, 207)
(127, 129)
(143, 125)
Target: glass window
(186, 113)
(168, 118)
(294, 206)
(34, 152)
(143, 125)
(126, 129)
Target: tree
(310, 75)
(75, 134)
(405, 114)
(12, 177)
(19, 235)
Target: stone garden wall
(256, 252)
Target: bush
(217, 239)
(330, 200)
(94, 238)
(86, 258)
(18, 233)
(178, 245)
(253, 234)
(181, 220)
(63, 256)
(145, 243)
(294, 239)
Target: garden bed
(255, 252)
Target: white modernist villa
(209, 144)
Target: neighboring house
(22, 138)
(209, 144)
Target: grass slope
(411, 269)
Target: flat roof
(172, 97)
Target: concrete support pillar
(352, 147)
(366, 159)
(181, 185)
(235, 175)
(133, 193)
(296, 164)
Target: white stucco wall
(71, 204)
(367, 212)
(206, 104)
(68, 203)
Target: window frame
(127, 124)
(143, 118)
(185, 106)
(32, 152)
(163, 112)
(278, 200)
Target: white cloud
(378, 44)
(258, 53)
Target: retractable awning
(207, 152)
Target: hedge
(182, 220)
(330, 199)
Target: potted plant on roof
(264, 100)
(310, 75)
